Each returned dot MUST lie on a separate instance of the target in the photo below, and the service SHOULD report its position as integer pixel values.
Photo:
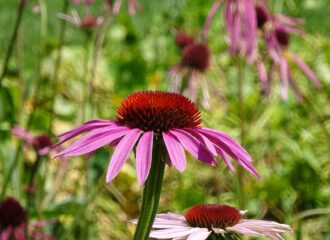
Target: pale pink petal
(194, 147)
(262, 74)
(144, 156)
(257, 228)
(308, 71)
(295, 88)
(200, 235)
(44, 151)
(175, 151)
(23, 134)
(121, 153)
(175, 232)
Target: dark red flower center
(158, 111)
(11, 213)
(41, 142)
(262, 16)
(89, 21)
(282, 37)
(212, 216)
(183, 40)
(196, 56)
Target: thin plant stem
(151, 192)
(10, 171)
(58, 62)
(96, 51)
(10, 48)
(43, 32)
(241, 106)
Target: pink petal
(22, 134)
(88, 126)
(175, 232)
(93, 140)
(284, 68)
(308, 71)
(202, 234)
(144, 156)
(121, 153)
(194, 147)
(227, 144)
(175, 151)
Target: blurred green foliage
(289, 141)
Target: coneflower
(159, 126)
(213, 221)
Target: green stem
(34, 171)
(151, 192)
(240, 172)
(58, 62)
(10, 171)
(12, 41)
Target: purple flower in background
(148, 116)
(202, 222)
(276, 31)
(41, 143)
(14, 223)
(240, 18)
(133, 6)
(195, 61)
(242, 27)
(87, 22)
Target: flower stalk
(151, 192)
(241, 106)
(12, 41)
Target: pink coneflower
(149, 117)
(195, 61)
(133, 6)
(87, 22)
(276, 31)
(14, 223)
(41, 143)
(241, 25)
(214, 221)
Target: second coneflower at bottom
(213, 221)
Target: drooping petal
(23, 134)
(121, 153)
(231, 147)
(308, 71)
(88, 126)
(144, 156)
(262, 74)
(175, 151)
(295, 88)
(175, 232)
(202, 234)
(94, 140)
(284, 69)
(257, 228)
(193, 146)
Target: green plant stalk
(58, 62)
(240, 93)
(151, 192)
(12, 41)
(10, 171)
